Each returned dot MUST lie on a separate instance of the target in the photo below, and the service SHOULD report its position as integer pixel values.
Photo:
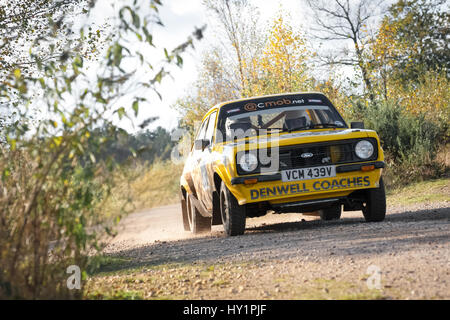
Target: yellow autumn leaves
(282, 65)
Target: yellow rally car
(280, 153)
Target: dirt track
(290, 258)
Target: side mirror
(357, 125)
(201, 144)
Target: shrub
(48, 213)
(52, 187)
(411, 142)
(403, 134)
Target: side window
(201, 132)
(210, 130)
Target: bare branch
(342, 20)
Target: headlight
(364, 149)
(248, 162)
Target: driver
(296, 119)
(238, 128)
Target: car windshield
(284, 119)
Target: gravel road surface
(292, 256)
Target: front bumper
(270, 188)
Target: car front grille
(336, 152)
(314, 154)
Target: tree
(214, 85)
(342, 21)
(384, 50)
(52, 188)
(418, 33)
(237, 20)
(409, 58)
(36, 32)
(143, 146)
(266, 61)
(332, 87)
(282, 65)
(28, 22)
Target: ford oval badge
(306, 155)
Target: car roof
(221, 104)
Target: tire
(233, 215)
(331, 213)
(375, 207)
(184, 215)
(197, 222)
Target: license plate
(308, 173)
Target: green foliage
(35, 32)
(121, 146)
(422, 29)
(53, 181)
(401, 133)
(411, 142)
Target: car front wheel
(375, 207)
(233, 215)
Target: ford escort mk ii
(280, 154)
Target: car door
(206, 165)
(196, 159)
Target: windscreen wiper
(327, 125)
(298, 128)
(312, 126)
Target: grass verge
(144, 186)
(421, 192)
(156, 185)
